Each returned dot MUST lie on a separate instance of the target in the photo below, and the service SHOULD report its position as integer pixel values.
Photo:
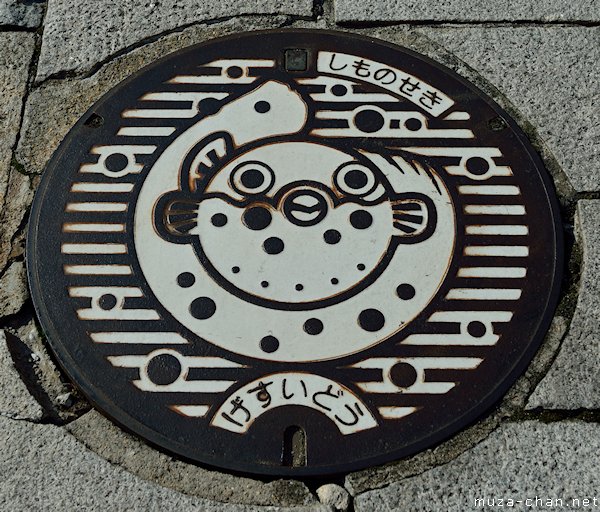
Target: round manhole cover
(294, 252)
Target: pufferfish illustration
(314, 222)
(307, 232)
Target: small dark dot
(262, 107)
(269, 344)
(369, 121)
(361, 219)
(107, 302)
(186, 279)
(405, 291)
(335, 280)
(413, 124)
(264, 284)
(339, 90)
(360, 266)
(356, 179)
(116, 162)
(273, 245)
(219, 220)
(252, 178)
(477, 165)
(257, 218)
(203, 308)
(209, 106)
(371, 320)
(163, 369)
(332, 236)
(403, 375)
(313, 326)
(234, 72)
(299, 287)
(476, 329)
(235, 270)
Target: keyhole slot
(294, 447)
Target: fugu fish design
(289, 222)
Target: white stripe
(499, 272)
(101, 187)
(495, 209)
(489, 190)
(141, 338)
(88, 228)
(193, 411)
(484, 294)
(395, 413)
(94, 249)
(458, 116)
(96, 207)
(100, 270)
(159, 113)
(146, 131)
(185, 386)
(497, 230)
(518, 251)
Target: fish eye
(251, 178)
(355, 179)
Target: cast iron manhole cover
(294, 252)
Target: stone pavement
(538, 59)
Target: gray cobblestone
(13, 289)
(518, 461)
(573, 381)
(469, 10)
(20, 13)
(15, 55)
(77, 39)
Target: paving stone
(44, 468)
(15, 400)
(50, 388)
(77, 39)
(573, 381)
(15, 55)
(21, 13)
(545, 73)
(13, 289)
(466, 10)
(126, 450)
(56, 105)
(518, 461)
(335, 496)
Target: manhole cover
(294, 252)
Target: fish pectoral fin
(205, 159)
(175, 216)
(414, 217)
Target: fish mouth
(305, 207)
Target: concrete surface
(466, 11)
(518, 461)
(573, 381)
(537, 59)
